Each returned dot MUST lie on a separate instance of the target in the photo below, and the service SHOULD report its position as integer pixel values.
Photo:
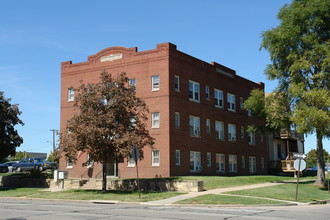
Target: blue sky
(37, 35)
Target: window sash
(218, 98)
(195, 161)
(232, 163)
(194, 91)
(208, 126)
(177, 83)
(209, 159)
(155, 82)
(231, 132)
(178, 157)
(220, 163)
(194, 123)
(219, 130)
(70, 94)
(231, 102)
(155, 120)
(177, 119)
(155, 158)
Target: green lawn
(307, 192)
(80, 194)
(227, 200)
(213, 182)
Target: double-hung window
(130, 162)
(220, 162)
(70, 94)
(243, 161)
(232, 163)
(155, 154)
(218, 98)
(194, 93)
(178, 158)
(155, 120)
(132, 83)
(194, 125)
(219, 130)
(177, 119)
(231, 102)
(177, 83)
(231, 132)
(195, 161)
(252, 165)
(69, 163)
(155, 83)
(207, 92)
(252, 138)
(209, 159)
(208, 126)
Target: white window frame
(207, 92)
(177, 83)
(70, 94)
(90, 164)
(219, 130)
(220, 163)
(252, 138)
(231, 132)
(194, 126)
(232, 163)
(243, 161)
(69, 163)
(252, 165)
(130, 162)
(209, 159)
(177, 120)
(194, 91)
(178, 158)
(155, 83)
(155, 158)
(231, 102)
(208, 126)
(155, 120)
(218, 98)
(195, 161)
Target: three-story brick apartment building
(196, 114)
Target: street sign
(299, 155)
(301, 166)
(135, 154)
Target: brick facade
(181, 94)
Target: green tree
(54, 156)
(20, 155)
(299, 50)
(108, 121)
(312, 157)
(9, 118)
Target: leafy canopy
(108, 121)
(9, 118)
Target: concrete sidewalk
(172, 200)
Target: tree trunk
(104, 176)
(320, 179)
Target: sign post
(299, 164)
(136, 155)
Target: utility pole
(54, 132)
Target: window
(219, 130)
(177, 83)
(91, 162)
(178, 157)
(243, 161)
(132, 83)
(70, 94)
(249, 112)
(208, 126)
(195, 161)
(241, 102)
(220, 163)
(252, 138)
(194, 125)
(231, 132)
(155, 120)
(232, 163)
(262, 163)
(207, 92)
(252, 165)
(130, 162)
(209, 159)
(177, 119)
(242, 132)
(218, 98)
(154, 83)
(193, 91)
(231, 102)
(69, 163)
(155, 158)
